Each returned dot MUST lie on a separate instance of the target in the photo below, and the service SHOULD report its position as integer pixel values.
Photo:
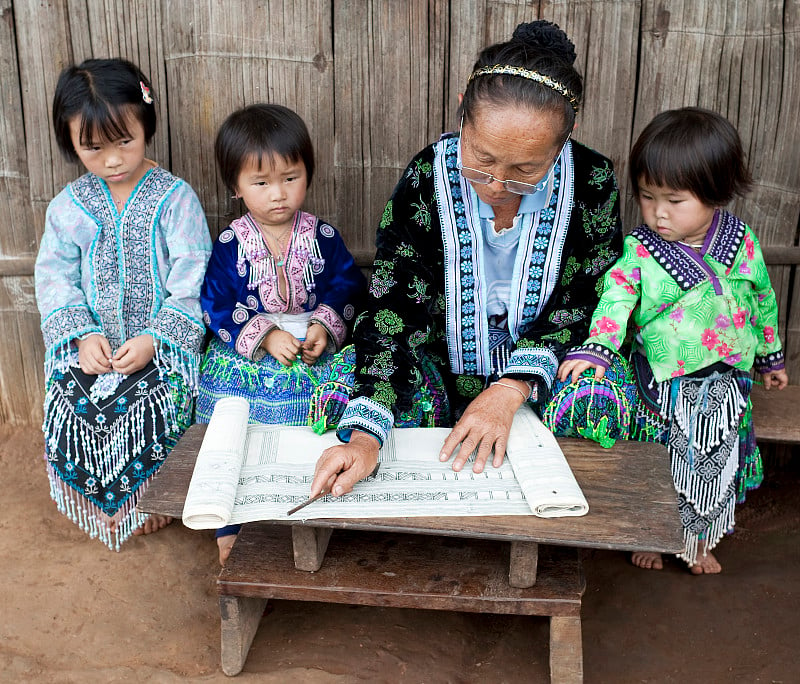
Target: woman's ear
(460, 99)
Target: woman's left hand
(485, 425)
(134, 355)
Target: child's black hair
(103, 92)
(258, 131)
(691, 149)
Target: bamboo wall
(376, 80)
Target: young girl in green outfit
(694, 280)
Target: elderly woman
(489, 256)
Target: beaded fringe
(706, 432)
(169, 359)
(91, 519)
(106, 457)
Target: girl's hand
(484, 426)
(314, 344)
(282, 346)
(94, 354)
(134, 355)
(576, 367)
(778, 379)
(341, 466)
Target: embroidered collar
(687, 268)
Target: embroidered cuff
(332, 322)
(771, 362)
(65, 324)
(538, 361)
(251, 335)
(366, 415)
(592, 352)
(176, 329)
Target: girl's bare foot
(647, 560)
(706, 565)
(225, 544)
(153, 523)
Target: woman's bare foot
(647, 560)
(225, 544)
(153, 523)
(705, 565)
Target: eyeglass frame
(488, 178)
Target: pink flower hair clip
(146, 96)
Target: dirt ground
(72, 611)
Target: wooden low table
(488, 564)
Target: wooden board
(401, 571)
(632, 503)
(776, 414)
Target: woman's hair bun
(545, 35)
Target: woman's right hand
(282, 346)
(94, 354)
(341, 466)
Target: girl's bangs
(99, 123)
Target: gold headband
(530, 75)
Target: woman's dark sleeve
(593, 244)
(404, 304)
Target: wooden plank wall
(376, 80)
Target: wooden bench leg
(239, 617)
(522, 567)
(566, 650)
(309, 545)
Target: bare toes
(225, 544)
(706, 565)
(647, 560)
(153, 523)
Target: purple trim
(771, 362)
(591, 352)
(709, 272)
(332, 322)
(252, 334)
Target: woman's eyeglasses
(517, 187)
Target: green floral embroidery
(598, 287)
(600, 221)
(422, 215)
(388, 322)
(387, 218)
(469, 385)
(440, 304)
(419, 290)
(598, 263)
(417, 339)
(384, 394)
(382, 367)
(382, 278)
(420, 169)
(405, 250)
(563, 336)
(570, 269)
(601, 175)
